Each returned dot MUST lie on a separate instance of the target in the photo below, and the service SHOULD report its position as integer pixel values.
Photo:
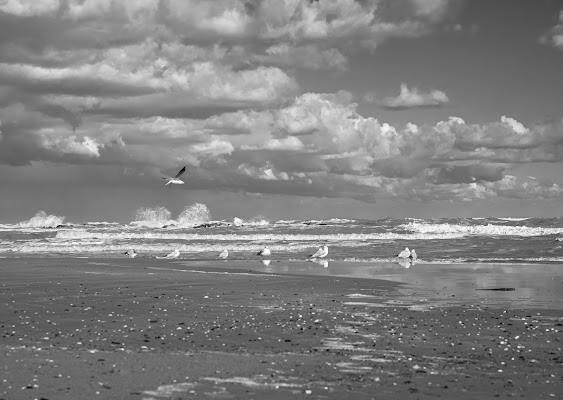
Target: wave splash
(152, 217)
(42, 220)
(196, 214)
(159, 217)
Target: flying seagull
(321, 252)
(224, 254)
(176, 180)
(264, 252)
(406, 253)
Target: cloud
(432, 9)
(317, 145)
(29, 8)
(182, 59)
(306, 57)
(19, 146)
(555, 36)
(412, 98)
(149, 85)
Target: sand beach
(108, 328)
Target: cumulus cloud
(413, 98)
(555, 36)
(149, 85)
(20, 146)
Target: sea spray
(42, 220)
(258, 220)
(152, 217)
(195, 214)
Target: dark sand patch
(121, 329)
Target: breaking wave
(42, 220)
(230, 237)
(159, 217)
(258, 220)
(480, 230)
(154, 217)
(196, 214)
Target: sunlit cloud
(413, 98)
(149, 85)
(555, 35)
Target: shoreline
(138, 329)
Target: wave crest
(152, 217)
(481, 230)
(258, 220)
(42, 220)
(196, 214)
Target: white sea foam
(152, 217)
(159, 217)
(103, 223)
(481, 230)
(258, 220)
(72, 247)
(41, 220)
(196, 214)
(190, 235)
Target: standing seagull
(406, 253)
(176, 180)
(224, 254)
(413, 255)
(264, 252)
(131, 253)
(172, 255)
(322, 252)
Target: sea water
(198, 237)
(504, 262)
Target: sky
(281, 108)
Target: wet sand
(159, 329)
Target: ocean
(198, 237)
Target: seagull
(172, 255)
(224, 254)
(322, 252)
(264, 252)
(405, 253)
(413, 255)
(131, 253)
(176, 180)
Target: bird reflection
(323, 263)
(266, 262)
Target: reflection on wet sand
(535, 285)
(323, 263)
(404, 262)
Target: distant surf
(153, 231)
